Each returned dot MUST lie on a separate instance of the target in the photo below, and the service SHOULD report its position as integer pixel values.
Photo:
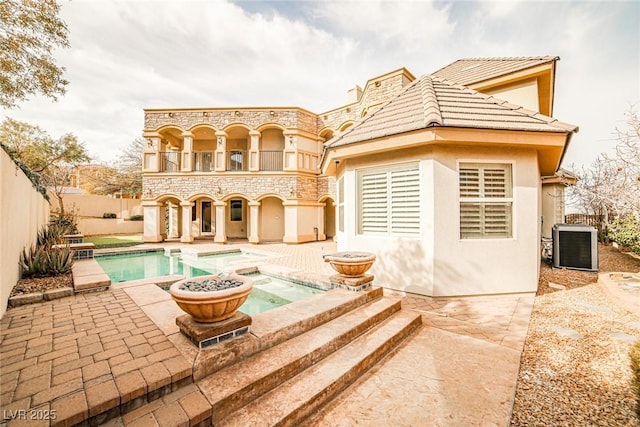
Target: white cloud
(126, 56)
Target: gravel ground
(609, 259)
(40, 284)
(575, 366)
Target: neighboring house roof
(68, 190)
(473, 70)
(432, 101)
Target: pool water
(142, 265)
(272, 292)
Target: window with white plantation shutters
(486, 199)
(389, 200)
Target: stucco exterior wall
(524, 94)
(23, 211)
(437, 262)
(91, 207)
(552, 207)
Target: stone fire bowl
(211, 306)
(351, 264)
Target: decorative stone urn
(351, 264)
(210, 299)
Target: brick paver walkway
(83, 356)
(93, 356)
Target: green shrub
(64, 224)
(626, 231)
(136, 218)
(109, 215)
(635, 368)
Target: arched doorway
(237, 158)
(237, 220)
(203, 218)
(271, 220)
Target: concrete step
(295, 400)
(238, 384)
(184, 407)
(279, 325)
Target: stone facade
(296, 181)
(289, 187)
(327, 186)
(220, 119)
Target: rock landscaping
(575, 367)
(210, 285)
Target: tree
(54, 160)
(124, 178)
(610, 187)
(30, 30)
(130, 167)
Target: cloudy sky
(130, 55)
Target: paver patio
(92, 356)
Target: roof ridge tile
(430, 105)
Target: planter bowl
(211, 306)
(351, 264)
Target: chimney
(354, 94)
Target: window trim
(511, 199)
(231, 210)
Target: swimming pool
(272, 292)
(142, 265)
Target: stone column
(254, 151)
(290, 222)
(186, 237)
(254, 222)
(173, 220)
(221, 222)
(187, 152)
(322, 212)
(220, 153)
(290, 151)
(151, 152)
(152, 222)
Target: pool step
(241, 383)
(295, 400)
(279, 325)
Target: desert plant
(136, 218)
(59, 260)
(66, 223)
(635, 368)
(33, 261)
(109, 215)
(47, 237)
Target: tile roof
(474, 70)
(432, 101)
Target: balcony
(235, 161)
(169, 161)
(203, 161)
(271, 160)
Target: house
(440, 175)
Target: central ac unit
(575, 246)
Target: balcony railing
(203, 161)
(237, 160)
(169, 161)
(271, 160)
